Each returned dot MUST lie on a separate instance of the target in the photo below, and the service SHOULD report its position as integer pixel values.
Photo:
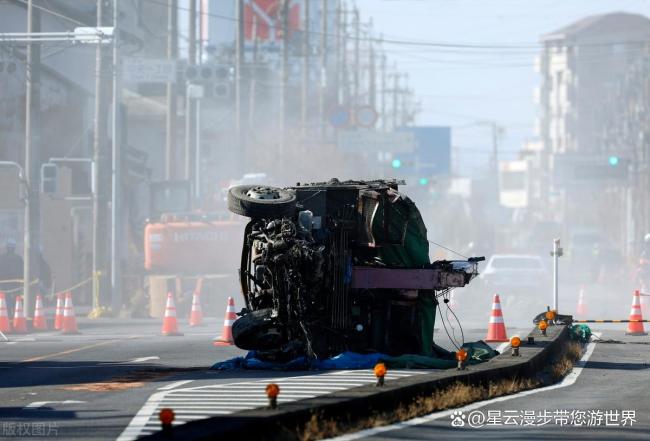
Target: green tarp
(477, 352)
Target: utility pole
(384, 117)
(372, 81)
(357, 59)
(101, 166)
(239, 86)
(170, 120)
(323, 70)
(395, 98)
(116, 181)
(285, 75)
(31, 237)
(339, 52)
(305, 69)
(495, 148)
(344, 58)
(190, 111)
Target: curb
(350, 404)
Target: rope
(611, 321)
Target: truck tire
(257, 201)
(258, 331)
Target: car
(337, 266)
(514, 272)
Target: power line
(424, 44)
(54, 13)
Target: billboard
(263, 20)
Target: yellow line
(71, 351)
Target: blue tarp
(346, 360)
(477, 351)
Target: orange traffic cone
(226, 335)
(5, 326)
(39, 323)
(19, 324)
(58, 313)
(644, 301)
(170, 325)
(636, 328)
(496, 326)
(581, 309)
(69, 325)
(196, 315)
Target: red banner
(263, 20)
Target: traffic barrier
(58, 313)
(610, 321)
(636, 327)
(196, 314)
(5, 326)
(39, 323)
(226, 334)
(20, 323)
(69, 326)
(496, 326)
(170, 325)
(581, 308)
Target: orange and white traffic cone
(69, 319)
(196, 315)
(58, 313)
(19, 324)
(226, 335)
(496, 326)
(644, 301)
(636, 328)
(5, 326)
(39, 323)
(581, 308)
(170, 325)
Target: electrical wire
(452, 340)
(506, 47)
(448, 249)
(460, 326)
(54, 13)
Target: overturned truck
(338, 266)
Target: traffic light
(396, 163)
(423, 181)
(613, 160)
(49, 178)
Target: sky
(465, 88)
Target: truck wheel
(257, 330)
(257, 201)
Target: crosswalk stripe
(199, 402)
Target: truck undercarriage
(338, 266)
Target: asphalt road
(608, 401)
(90, 386)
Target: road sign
(371, 141)
(139, 70)
(340, 117)
(366, 116)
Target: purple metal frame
(366, 277)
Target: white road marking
(175, 385)
(200, 402)
(569, 380)
(144, 359)
(39, 404)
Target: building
(581, 67)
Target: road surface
(90, 386)
(607, 401)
